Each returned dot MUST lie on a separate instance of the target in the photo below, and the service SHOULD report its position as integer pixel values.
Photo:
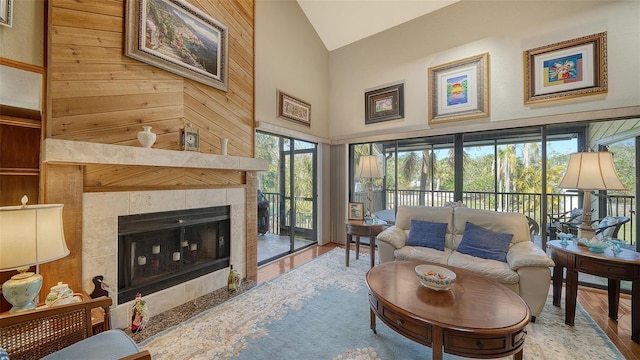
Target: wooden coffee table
(478, 317)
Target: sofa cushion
(503, 222)
(427, 234)
(496, 270)
(436, 214)
(484, 243)
(422, 253)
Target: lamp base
(21, 290)
(586, 232)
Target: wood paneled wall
(96, 94)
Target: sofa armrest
(527, 253)
(394, 236)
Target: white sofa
(526, 270)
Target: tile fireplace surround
(101, 210)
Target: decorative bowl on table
(595, 245)
(435, 277)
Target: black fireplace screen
(160, 250)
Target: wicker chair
(35, 334)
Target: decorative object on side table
(590, 171)
(368, 169)
(356, 211)
(595, 245)
(190, 138)
(384, 104)
(29, 235)
(146, 137)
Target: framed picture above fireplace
(176, 36)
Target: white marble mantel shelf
(56, 151)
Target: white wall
(24, 41)
(290, 57)
(504, 29)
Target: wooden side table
(576, 259)
(358, 228)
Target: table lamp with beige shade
(368, 170)
(29, 235)
(589, 171)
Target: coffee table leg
(357, 247)
(372, 318)
(436, 343)
(518, 355)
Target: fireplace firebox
(160, 250)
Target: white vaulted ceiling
(342, 22)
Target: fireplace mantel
(56, 151)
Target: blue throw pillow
(427, 234)
(484, 243)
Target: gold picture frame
(567, 69)
(459, 90)
(356, 211)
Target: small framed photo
(459, 90)
(6, 13)
(356, 211)
(567, 69)
(290, 108)
(384, 104)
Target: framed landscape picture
(356, 211)
(459, 90)
(290, 108)
(384, 104)
(566, 69)
(175, 36)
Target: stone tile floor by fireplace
(185, 311)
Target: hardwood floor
(594, 301)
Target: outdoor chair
(608, 226)
(534, 228)
(566, 222)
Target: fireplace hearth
(159, 250)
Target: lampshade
(368, 167)
(591, 171)
(29, 235)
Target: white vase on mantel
(146, 137)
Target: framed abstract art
(567, 69)
(459, 90)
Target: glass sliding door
(290, 193)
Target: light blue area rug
(320, 310)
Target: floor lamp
(368, 169)
(590, 171)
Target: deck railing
(525, 203)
